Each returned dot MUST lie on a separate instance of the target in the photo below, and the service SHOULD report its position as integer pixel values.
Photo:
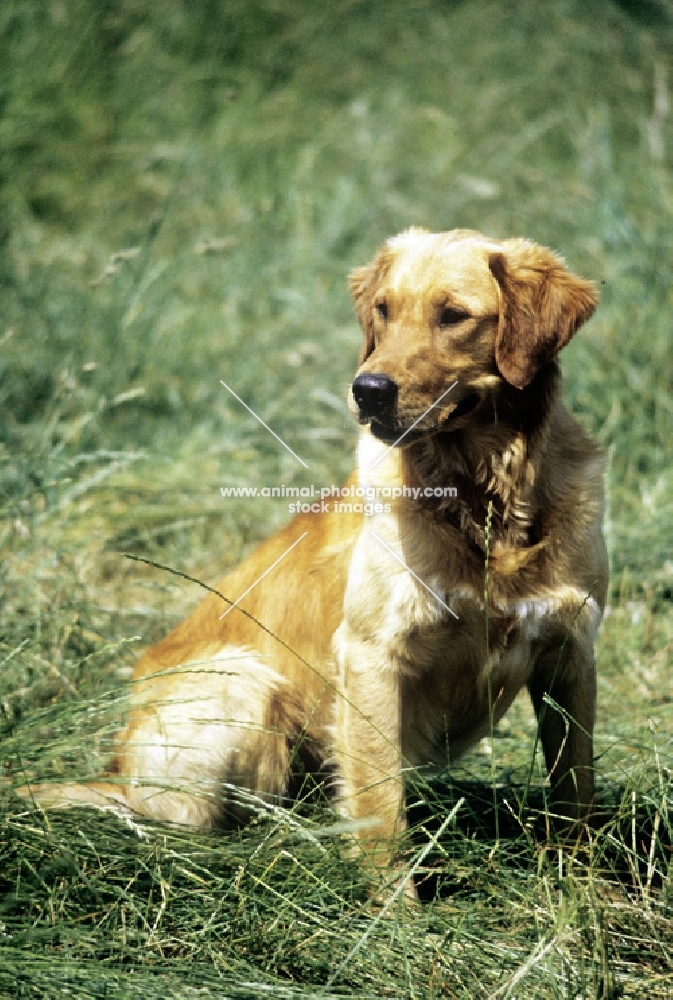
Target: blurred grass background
(183, 190)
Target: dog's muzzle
(376, 399)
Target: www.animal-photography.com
(337, 561)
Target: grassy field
(183, 190)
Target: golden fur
(374, 674)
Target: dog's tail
(99, 794)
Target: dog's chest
(459, 677)
(413, 604)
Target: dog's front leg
(568, 677)
(367, 743)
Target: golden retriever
(388, 640)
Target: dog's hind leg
(203, 742)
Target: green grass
(183, 189)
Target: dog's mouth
(467, 405)
(394, 435)
(402, 438)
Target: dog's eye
(449, 316)
(382, 310)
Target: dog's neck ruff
(494, 462)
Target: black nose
(375, 395)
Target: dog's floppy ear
(542, 306)
(363, 283)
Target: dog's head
(457, 307)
